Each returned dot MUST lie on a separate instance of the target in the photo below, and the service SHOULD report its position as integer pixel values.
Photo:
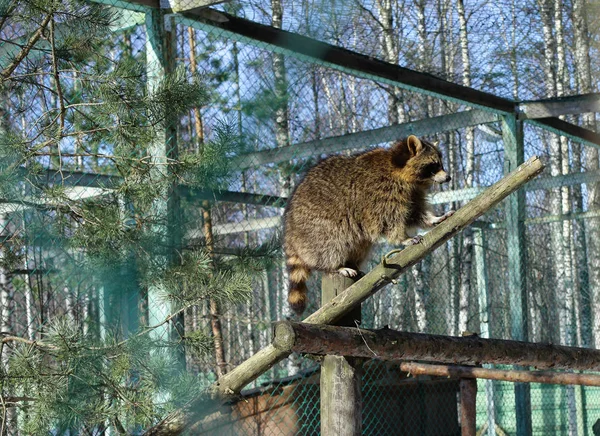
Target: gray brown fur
(346, 203)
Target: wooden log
(509, 375)
(389, 344)
(229, 386)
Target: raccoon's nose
(448, 178)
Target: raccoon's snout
(441, 177)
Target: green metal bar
(361, 140)
(512, 133)
(160, 58)
(314, 51)
(484, 318)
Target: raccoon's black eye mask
(430, 169)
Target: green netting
(146, 157)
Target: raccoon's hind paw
(347, 272)
(449, 213)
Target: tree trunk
(467, 237)
(389, 44)
(567, 322)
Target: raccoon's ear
(414, 145)
(400, 154)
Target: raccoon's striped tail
(298, 275)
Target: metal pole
(484, 319)
(512, 134)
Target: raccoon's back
(326, 215)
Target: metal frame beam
(428, 126)
(512, 134)
(338, 58)
(554, 107)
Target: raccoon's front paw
(413, 241)
(347, 272)
(449, 214)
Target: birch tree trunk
(389, 44)
(282, 139)
(556, 237)
(567, 324)
(420, 271)
(467, 237)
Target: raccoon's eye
(431, 169)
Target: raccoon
(346, 203)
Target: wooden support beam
(228, 386)
(514, 376)
(387, 344)
(365, 139)
(554, 107)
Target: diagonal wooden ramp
(230, 385)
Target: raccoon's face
(429, 165)
(421, 161)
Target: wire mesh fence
(147, 157)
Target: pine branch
(6, 73)
(37, 344)
(56, 74)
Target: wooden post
(341, 399)
(468, 410)
(512, 135)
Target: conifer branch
(42, 345)
(6, 73)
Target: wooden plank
(291, 44)
(364, 139)
(553, 107)
(443, 197)
(233, 197)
